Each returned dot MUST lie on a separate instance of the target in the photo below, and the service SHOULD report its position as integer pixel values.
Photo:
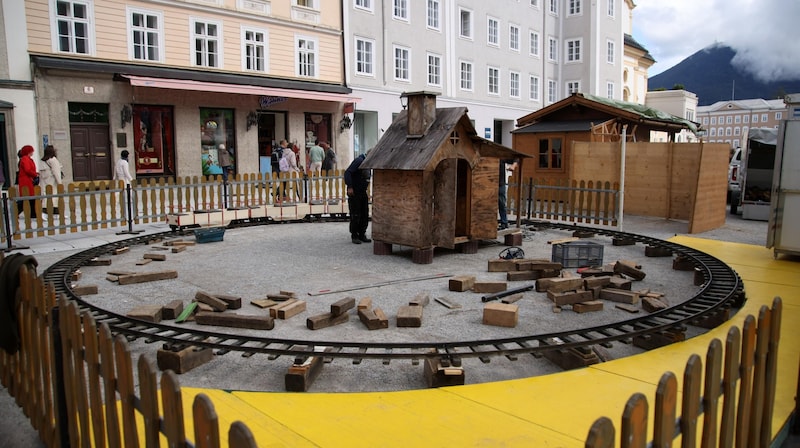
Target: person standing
(357, 181)
(225, 161)
(506, 166)
(27, 174)
(51, 173)
(288, 165)
(122, 169)
(329, 163)
(316, 156)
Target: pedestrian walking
(357, 181)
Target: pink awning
(184, 84)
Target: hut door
(445, 200)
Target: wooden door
(91, 152)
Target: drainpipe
(622, 176)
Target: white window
(145, 30)
(513, 85)
(465, 23)
(778, 115)
(705, 120)
(493, 80)
(764, 118)
(573, 87)
(610, 90)
(434, 70)
(254, 49)
(746, 119)
(312, 4)
(728, 131)
(744, 130)
(493, 32)
(433, 14)
(402, 64)
(513, 37)
(574, 50)
(755, 118)
(363, 4)
(206, 37)
(611, 55)
(611, 8)
(365, 56)
(554, 7)
(737, 119)
(713, 132)
(306, 55)
(552, 49)
(533, 44)
(400, 9)
(534, 88)
(574, 7)
(73, 20)
(466, 75)
(729, 120)
(552, 91)
(713, 120)
(737, 130)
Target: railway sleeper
(660, 339)
(569, 358)
(715, 319)
(439, 371)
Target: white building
(680, 103)
(728, 121)
(501, 59)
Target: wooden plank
(587, 307)
(142, 262)
(326, 320)
(461, 283)
(421, 299)
(273, 311)
(447, 303)
(149, 313)
(147, 277)
(343, 305)
(178, 249)
(489, 287)
(84, 290)
(409, 316)
(155, 257)
(381, 317)
(292, 309)
(365, 303)
(619, 295)
(369, 319)
(99, 262)
(301, 376)
(172, 310)
(264, 303)
(500, 314)
(233, 302)
(184, 360)
(208, 299)
(235, 320)
(626, 307)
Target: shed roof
(397, 151)
(639, 113)
(555, 126)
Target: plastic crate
(209, 234)
(576, 254)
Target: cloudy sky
(765, 33)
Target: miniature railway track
(722, 289)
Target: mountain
(710, 75)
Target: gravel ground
(310, 257)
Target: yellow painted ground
(546, 411)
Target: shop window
(216, 128)
(154, 140)
(318, 127)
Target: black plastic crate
(576, 254)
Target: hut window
(550, 153)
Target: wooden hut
(434, 181)
(548, 133)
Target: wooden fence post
(634, 422)
(206, 423)
(664, 412)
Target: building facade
(500, 59)
(17, 101)
(176, 81)
(680, 103)
(728, 121)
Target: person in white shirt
(121, 170)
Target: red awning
(184, 84)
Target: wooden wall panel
(596, 161)
(485, 184)
(712, 188)
(647, 179)
(397, 217)
(685, 164)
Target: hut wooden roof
(397, 151)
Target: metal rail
(722, 289)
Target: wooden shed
(434, 181)
(547, 134)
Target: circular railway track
(720, 291)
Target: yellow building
(172, 81)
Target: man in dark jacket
(357, 181)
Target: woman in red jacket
(27, 172)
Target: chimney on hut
(421, 112)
